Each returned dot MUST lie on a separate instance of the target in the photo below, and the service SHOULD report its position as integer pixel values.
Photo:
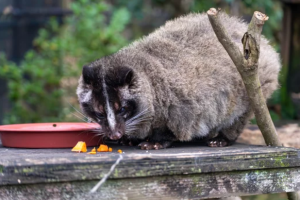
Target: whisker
(77, 110)
(141, 114)
(81, 132)
(89, 119)
(79, 117)
(134, 123)
(93, 126)
(95, 137)
(100, 138)
(96, 130)
(144, 112)
(136, 116)
(139, 120)
(104, 138)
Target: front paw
(217, 142)
(156, 145)
(147, 145)
(126, 141)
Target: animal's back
(200, 90)
(177, 83)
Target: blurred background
(45, 43)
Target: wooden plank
(56, 165)
(194, 186)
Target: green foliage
(282, 98)
(246, 8)
(203, 6)
(90, 36)
(274, 10)
(35, 85)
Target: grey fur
(187, 81)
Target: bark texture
(247, 65)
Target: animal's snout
(115, 136)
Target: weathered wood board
(193, 186)
(187, 171)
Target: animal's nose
(115, 136)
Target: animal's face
(107, 97)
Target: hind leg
(227, 136)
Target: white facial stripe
(87, 96)
(109, 110)
(111, 117)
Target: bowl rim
(49, 127)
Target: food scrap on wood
(80, 147)
(93, 151)
(102, 148)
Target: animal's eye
(122, 110)
(99, 115)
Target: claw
(217, 142)
(146, 145)
(157, 146)
(150, 145)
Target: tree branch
(233, 51)
(247, 65)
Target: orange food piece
(93, 151)
(102, 148)
(110, 149)
(80, 147)
(119, 151)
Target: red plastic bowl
(49, 135)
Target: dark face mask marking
(104, 104)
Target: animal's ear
(126, 75)
(119, 76)
(123, 76)
(88, 74)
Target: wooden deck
(186, 171)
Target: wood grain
(186, 171)
(195, 186)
